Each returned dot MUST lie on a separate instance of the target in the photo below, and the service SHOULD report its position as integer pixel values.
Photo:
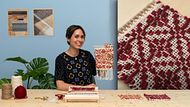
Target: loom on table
(84, 93)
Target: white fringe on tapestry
(137, 18)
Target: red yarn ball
(20, 92)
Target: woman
(75, 66)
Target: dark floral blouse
(77, 70)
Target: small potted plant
(36, 69)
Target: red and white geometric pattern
(155, 53)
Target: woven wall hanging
(104, 61)
(154, 49)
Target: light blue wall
(98, 17)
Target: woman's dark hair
(71, 29)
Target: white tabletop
(108, 98)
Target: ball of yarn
(6, 91)
(20, 92)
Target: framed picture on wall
(17, 22)
(43, 21)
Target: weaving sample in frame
(154, 49)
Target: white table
(108, 98)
